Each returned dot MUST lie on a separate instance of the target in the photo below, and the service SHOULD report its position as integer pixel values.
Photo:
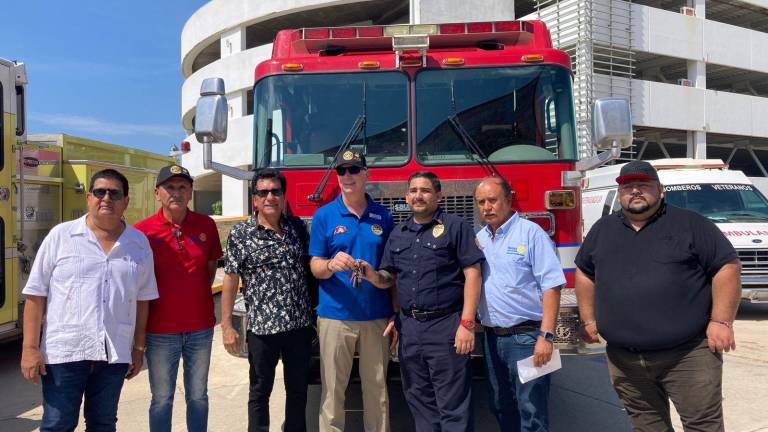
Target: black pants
(295, 349)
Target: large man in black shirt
(662, 286)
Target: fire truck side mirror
(611, 123)
(211, 112)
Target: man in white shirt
(90, 286)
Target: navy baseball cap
(351, 157)
(637, 170)
(168, 172)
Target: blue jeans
(163, 354)
(64, 386)
(517, 407)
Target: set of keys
(356, 275)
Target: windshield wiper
(467, 140)
(354, 131)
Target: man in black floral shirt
(264, 252)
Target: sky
(106, 70)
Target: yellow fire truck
(43, 181)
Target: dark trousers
(64, 387)
(295, 349)
(437, 382)
(690, 375)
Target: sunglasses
(351, 170)
(176, 232)
(113, 193)
(262, 193)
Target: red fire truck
(462, 100)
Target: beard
(638, 209)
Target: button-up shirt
(429, 260)
(91, 296)
(274, 279)
(520, 264)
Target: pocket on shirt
(671, 250)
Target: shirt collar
(345, 211)
(504, 228)
(81, 228)
(437, 218)
(254, 221)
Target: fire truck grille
(459, 205)
(753, 261)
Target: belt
(427, 315)
(523, 327)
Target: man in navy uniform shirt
(436, 262)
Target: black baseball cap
(351, 157)
(168, 172)
(637, 170)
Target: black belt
(427, 315)
(523, 327)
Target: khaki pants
(338, 342)
(690, 375)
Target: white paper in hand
(526, 371)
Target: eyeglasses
(262, 193)
(113, 193)
(176, 232)
(351, 170)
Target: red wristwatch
(468, 324)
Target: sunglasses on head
(352, 170)
(113, 193)
(262, 193)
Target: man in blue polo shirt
(522, 278)
(351, 316)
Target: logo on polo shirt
(341, 229)
(377, 229)
(520, 250)
(374, 216)
(203, 237)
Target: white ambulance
(727, 197)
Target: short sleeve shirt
(181, 269)
(520, 264)
(429, 260)
(336, 229)
(90, 296)
(653, 287)
(274, 279)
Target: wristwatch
(549, 337)
(468, 324)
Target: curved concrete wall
(207, 24)
(236, 70)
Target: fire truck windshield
(519, 113)
(302, 119)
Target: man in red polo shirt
(186, 248)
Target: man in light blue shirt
(520, 299)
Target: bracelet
(586, 323)
(725, 323)
(140, 348)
